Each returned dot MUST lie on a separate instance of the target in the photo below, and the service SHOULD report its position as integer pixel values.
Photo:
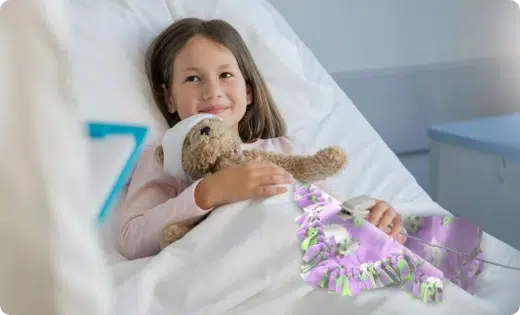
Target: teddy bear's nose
(205, 131)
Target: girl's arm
(154, 200)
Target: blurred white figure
(50, 259)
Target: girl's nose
(212, 90)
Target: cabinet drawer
(482, 187)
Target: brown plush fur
(211, 146)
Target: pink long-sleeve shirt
(156, 199)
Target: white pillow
(110, 40)
(107, 45)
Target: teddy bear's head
(209, 142)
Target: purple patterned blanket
(348, 255)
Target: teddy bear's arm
(308, 169)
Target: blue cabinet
(475, 173)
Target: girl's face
(207, 79)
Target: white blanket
(244, 259)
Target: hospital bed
(246, 262)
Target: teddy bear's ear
(159, 155)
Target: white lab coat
(50, 258)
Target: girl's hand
(255, 179)
(383, 215)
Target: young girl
(197, 66)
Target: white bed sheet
(244, 259)
(147, 284)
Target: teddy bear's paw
(173, 233)
(332, 158)
(159, 155)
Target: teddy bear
(204, 144)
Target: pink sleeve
(154, 200)
(289, 145)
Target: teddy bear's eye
(205, 130)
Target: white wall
(445, 58)
(348, 35)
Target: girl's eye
(226, 75)
(192, 79)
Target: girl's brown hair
(261, 119)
